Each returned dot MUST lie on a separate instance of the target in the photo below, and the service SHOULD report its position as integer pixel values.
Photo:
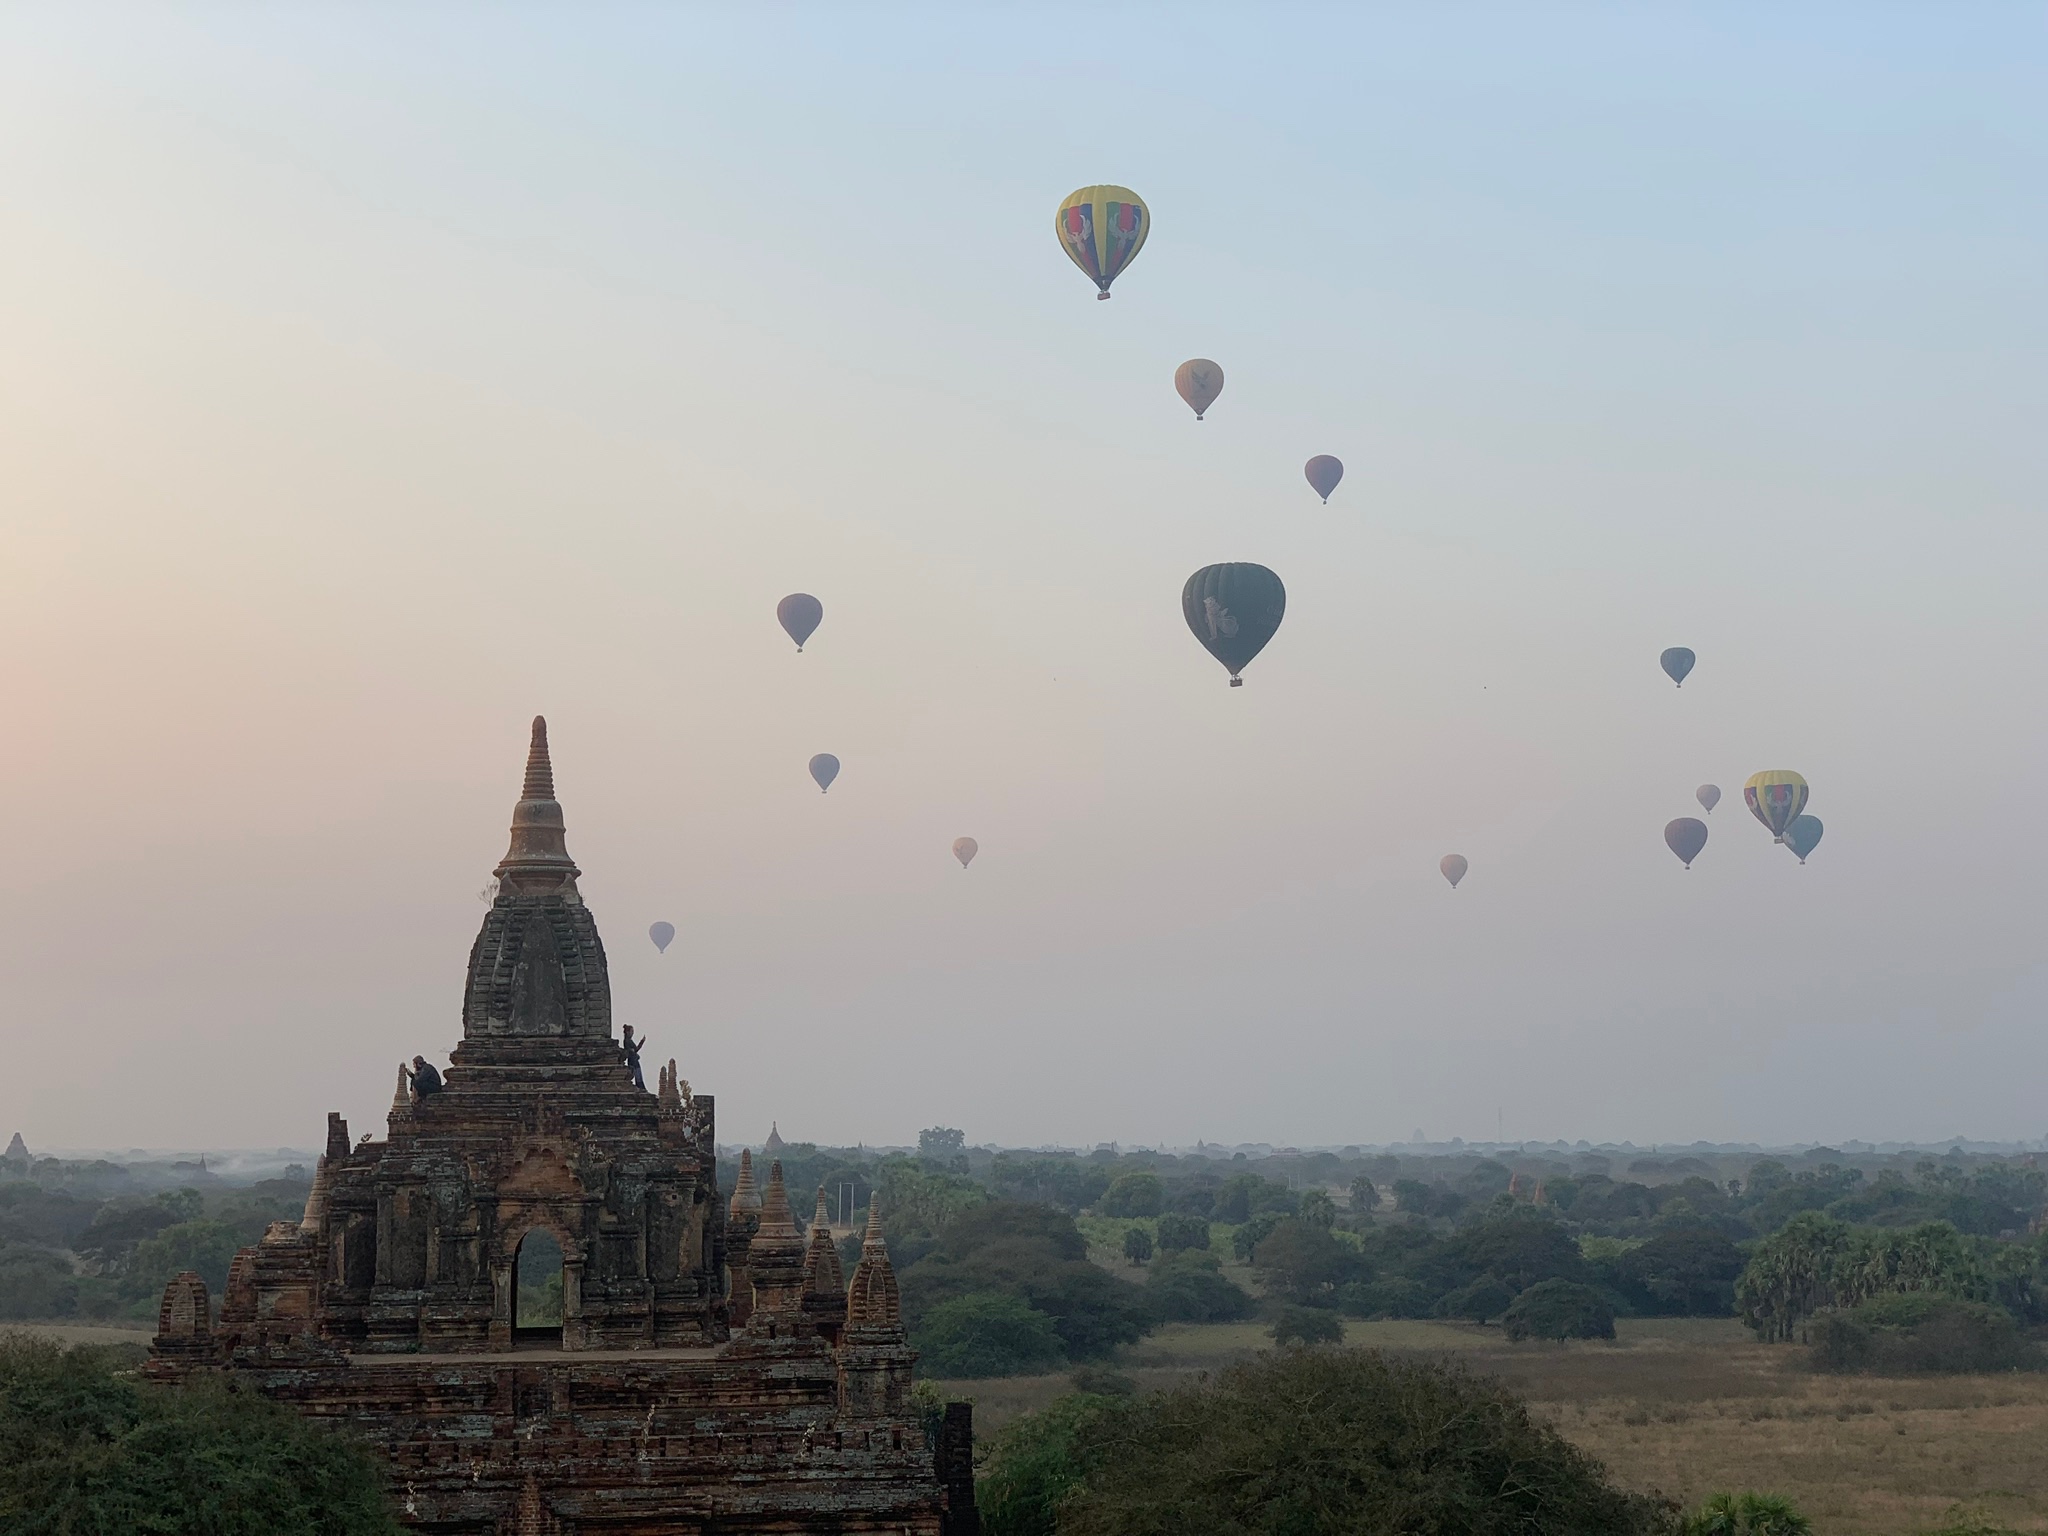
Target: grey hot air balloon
(1803, 836)
(1686, 837)
(824, 768)
(1454, 867)
(800, 614)
(663, 935)
(1709, 796)
(964, 849)
(1199, 382)
(1234, 609)
(1323, 473)
(1677, 662)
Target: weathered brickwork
(711, 1373)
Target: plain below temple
(711, 1371)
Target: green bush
(1920, 1332)
(1307, 1325)
(1308, 1442)
(86, 1451)
(1034, 1463)
(988, 1334)
(1559, 1309)
(1746, 1514)
(1190, 1287)
(1178, 1232)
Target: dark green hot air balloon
(1803, 836)
(1234, 609)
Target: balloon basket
(1237, 682)
(1103, 295)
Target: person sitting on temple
(425, 1079)
(633, 1058)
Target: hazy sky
(371, 380)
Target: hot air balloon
(1323, 473)
(1454, 867)
(1234, 610)
(1676, 662)
(663, 934)
(1199, 382)
(1709, 796)
(800, 614)
(964, 849)
(1686, 837)
(1803, 836)
(824, 768)
(1777, 796)
(1101, 229)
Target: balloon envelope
(1803, 836)
(1454, 867)
(824, 769)
(800, 614)
(1101, 229)
(964, 849)
(1323, 473)
(1776, 797)
(1686, 837)
(663, 935)
(1676, 662)
(1709, 796)
(1234, 610)
(1199, 382)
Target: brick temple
(712, 1373)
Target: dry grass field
(1685, 1407)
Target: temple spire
(538, 862)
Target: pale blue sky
(373, 379)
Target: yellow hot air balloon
(1101, 229)
(1776, 797)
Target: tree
(1244, 1195)
(1303, 1262)
(1137, 1245)
(85, 1449)
(1138, 1193)
(1307, 1325)
(941, 1143)
(1318, 1442)
(1037, 1256)
(1318, 1209)
(1178, 1232)
(1246, 1239)
(988, 1334)
(1190, 1287)
(1690, 1271)
(1365, 1196)
(1558, 1309)
(204, 1245)
(1790, 1275)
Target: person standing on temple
(633, 1058)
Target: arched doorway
(537, 1292)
